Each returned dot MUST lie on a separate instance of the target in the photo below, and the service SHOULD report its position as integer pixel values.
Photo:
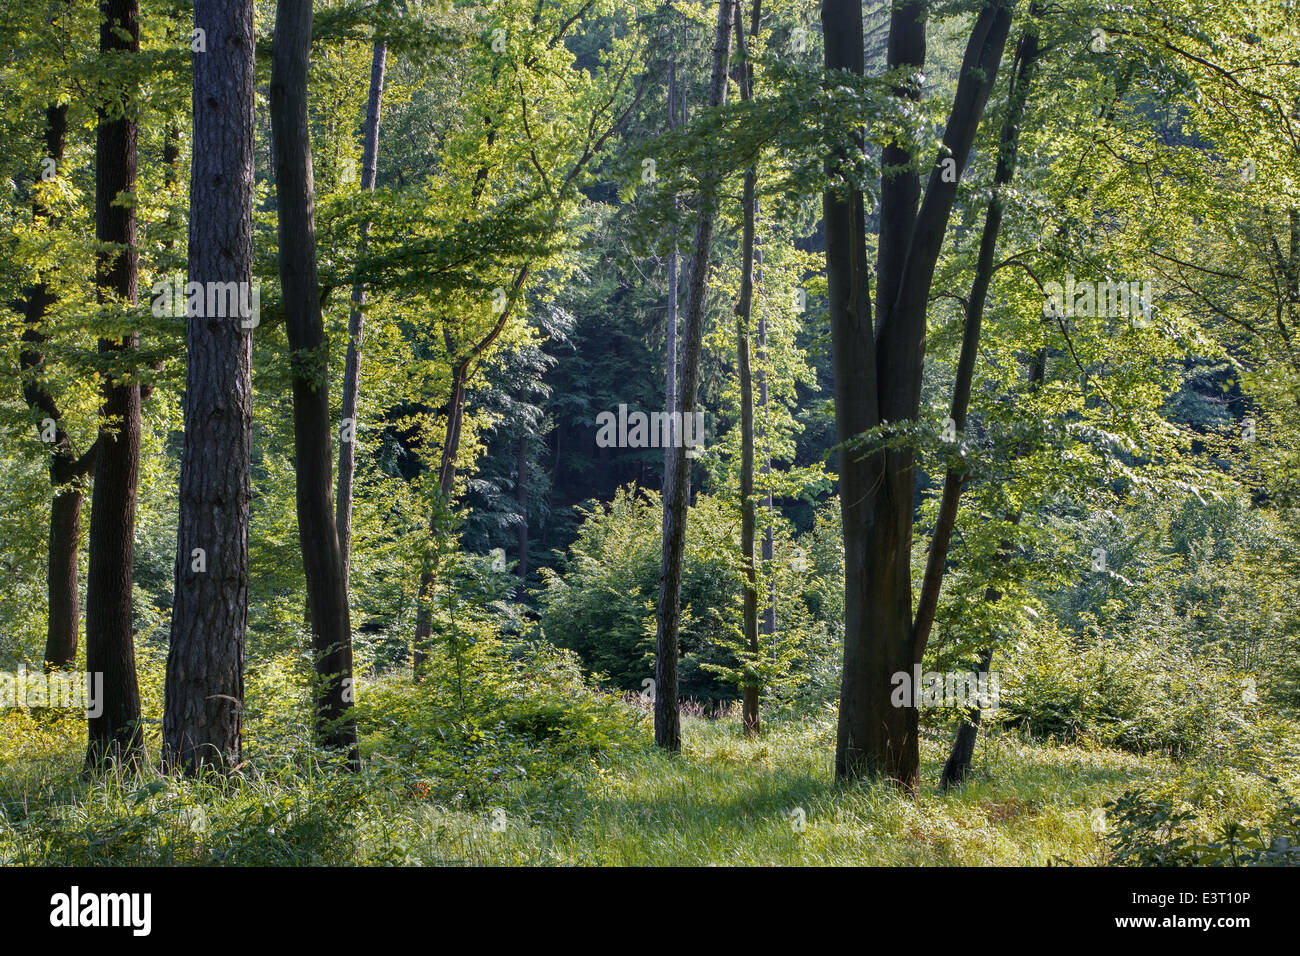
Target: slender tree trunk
(957, 766)
(1025, 59)
(356, 318)
(521, 502)
(670, 357)
(322, 558)
(203, 713)
(116, 734)
(744, 310)
(66, 470)
(667, 717)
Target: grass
(726, 800)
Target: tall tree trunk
(670, 349)
(203, 712)
(322, 558)
(744, 310)
(116, 734)
(853, 361)
(356, 318)
(667, 718)
(1025, 59)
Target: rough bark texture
(322, 559)
(116, 734)
(356, 318)
(667, 717)
(203, 712)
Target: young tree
(202, 714)
(356, 317)
(667, 717)
(322, 558)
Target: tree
(116, 734)
(667, 718)
(203, 709)
(356, 317)
(322, 558)
(878, 375)
(67, 469)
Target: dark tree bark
(116, 734)
(356, 318)
(67, 470)
(670, 345)
(751, 689)
(877, 489)
(957, 766)
(853, 363)
(203, 711)
(322, 558)
(667, 717)
(521, 503)
(1025, 59)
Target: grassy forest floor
(726, 800)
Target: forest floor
(726, 800)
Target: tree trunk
(667, 717)
(322, 558)
(66, 469)
(1025, 59)
(670, 349)
(203, 713)
(116, 734)
(352, 366)
(873, 736)
(521, 501)
(744, 310)
(959, 759)
(856, 410)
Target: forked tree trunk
(116, 734)
(876, 490)
(322, 558)
(667, 717)
(203, 712)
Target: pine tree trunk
(116, 734)
(322, 558)
(356, 318)
(667, 716)
(203, 713)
